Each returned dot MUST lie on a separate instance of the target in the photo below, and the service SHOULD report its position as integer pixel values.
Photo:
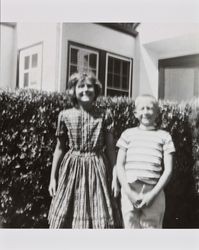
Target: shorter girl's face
(85, 92)
(146, 112)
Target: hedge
(27, 140)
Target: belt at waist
(84, 154)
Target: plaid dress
(83, 197)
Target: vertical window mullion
(113, 74)
(121, 75)
(89, 62)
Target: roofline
(13, 25)
(114, 26)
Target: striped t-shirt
(144, 153)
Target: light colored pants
(150, 216)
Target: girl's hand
(115, 185)
(52, 187)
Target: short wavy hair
(147, 96)
(82, 77)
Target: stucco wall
(8, 57)
(155, 41)
(160, 41)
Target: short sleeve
(108, 121)
(168, 144)
(123, 141)
(61, 126)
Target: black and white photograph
(99, 130)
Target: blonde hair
(147, 96)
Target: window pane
(125, 83)
(110, 64)
(85, 61)
(109, 80)
(116, 81)
(116, 66)
(92, 60)
(125, 68)
(26, 62)
(34, 60)
(113, 92)
(74, 54)
(73, 69)
(26, 79)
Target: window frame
(22, 72)
(108, 54)
(82, 47)
(102, 65)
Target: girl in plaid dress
(80, 177)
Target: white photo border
(99, 11)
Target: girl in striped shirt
(144, 166)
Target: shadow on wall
(149, 72)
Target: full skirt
(83, 197)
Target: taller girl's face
(85, 92)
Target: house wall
(154, 41)
(96, 36)
(160, 41)
(47, 34)
(8, 57)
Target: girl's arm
(120, 165)
(57, 158)
(111, 154)
(110, 148)
(168, 166)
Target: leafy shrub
(27, 141)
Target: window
(30, 66)
(114, 72)
(179, 78)
(34, 60)
(82, 59)
(118, 75)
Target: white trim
(106, 72)
(59, 68)
(130, 82)
(118, 89)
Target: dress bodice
(85, 131)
